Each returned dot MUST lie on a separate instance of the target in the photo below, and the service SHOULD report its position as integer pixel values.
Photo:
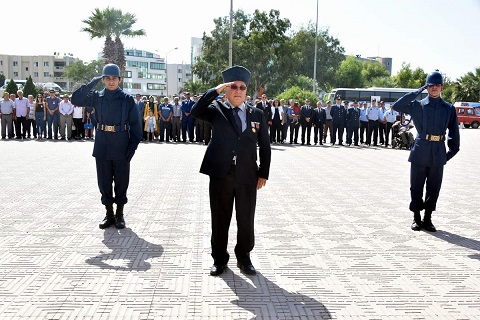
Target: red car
(468, 113)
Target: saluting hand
(222, 86)
(420, 90)
(261, 183)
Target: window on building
(138, 53)
(137, 64)
(46, 63)
(129, 52)
(15, 74)
(156, 76)
(155, 86)
(127, 74)
(1, 62)
(157, 66)
(35, 74)
(149, 55)
(35, 64)
(26, 68)
(15, 63)
(46, 74)
(140, 75)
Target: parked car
(468, 113)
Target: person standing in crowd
(382, 123)
(22, 109)
(6, 108)
(390, 117)
(339, 115)
(372, 116)
(306, 116)
(150, 125)
(293, 113)
(31, 118)
(319, 120)
(263, 104)
(187, 119)
(165, 112)
(78, 133)
(328, 126)
(118, 134)
(53, 103)
(40, 115)
(432, 117)
(284, 107)
(13, 97)
(65, 109)
(230, 161)
(90, 122)
(199, 125)
(275, 121)
(141, 110)
(353, 123)
(176, 119)
(363, 123)
(149, 106)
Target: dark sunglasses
(235, 87)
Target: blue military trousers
(111, 172)
(419, 177)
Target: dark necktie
(238, 122)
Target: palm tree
(111, 24)
(467, 88)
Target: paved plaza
(333, 238)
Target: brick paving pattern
(333, 238)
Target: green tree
(299, 95)
(408, 78)
(194, 87)
(12, 87)
(372, 71)
(112, 24)
(382, 82)
(301, 81)
(467, 88)
(80, 73)
(29, 88)
(349, 74)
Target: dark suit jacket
(306, 113)
(227, 142)
(320, 117)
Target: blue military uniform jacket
(339, 115)
(431, 119)
(227, 142)
(353, 117)
(113, 109)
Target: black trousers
(388, 130)
(382, 127)
(338, 129)
(21, 122)
(372, 127)
(224, 192)
(294, 131)
(275, 132)
(207, 132)
(363, 131)
(165, 126)
(109, 172)
(306, 129)
(318, 133)
(352, 132)
(419, 176)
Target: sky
(429, 34)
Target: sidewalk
(333, 238)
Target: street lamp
(315, 56)
(166, 69)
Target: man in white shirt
(6, 114)
(66, 110)
(22, 109)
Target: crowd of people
(53, 116)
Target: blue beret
(236, 73)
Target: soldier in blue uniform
(339, 117)
(231, 162)
(432, 117)
(117, 136)
(187, 118)
(353, 123)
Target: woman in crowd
(40, 115)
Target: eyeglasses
(235, 87)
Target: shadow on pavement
(125, 244)
(459, 241)
(273, 302)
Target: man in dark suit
(339, 116)
(318, 121)
(306, 117)
(230, 161)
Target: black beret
(236, 73)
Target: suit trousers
(363, 131)
(7, 120)
(419, 175)
(372, 128)
(294, 131)
(382, 127)
(352, 131)
(338, 129)
(306, 129)
(21, 122)
(388, 130)
(318, 133)
(108, 172)
(224, 192)
(328, 127)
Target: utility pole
(230, 43)
(315, 56)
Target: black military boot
(119, 220)
(417, 221)
(109, 218)
(427, 222)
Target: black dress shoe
(217, 270)
(416, 226)
(247, 268)
(427, 225)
